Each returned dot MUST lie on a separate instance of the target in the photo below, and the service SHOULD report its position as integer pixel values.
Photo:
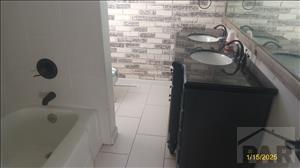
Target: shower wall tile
(142, 33)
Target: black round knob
(46, 68)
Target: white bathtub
(28, 138)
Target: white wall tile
(154, 40)
(155, 29)
(115, 11)
(123, 28)
(154, 51)
(287, 17)
(122, 17)
(146, 45)
(163, 13)
(138, 5)
(130, 11)
(162, 35)
(70, 34)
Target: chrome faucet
(248, 27)
(225, 33)
(50, 96)
(248, 30)
(240, 57)
(222, 39)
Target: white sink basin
(204, 38)
(211, 58)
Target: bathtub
(50, 137)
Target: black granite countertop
(202, 73)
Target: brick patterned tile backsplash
(142, 33)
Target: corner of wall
(110, 113)
(2, 95)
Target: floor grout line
(159, 105)
(164, 154)
(161, 136)
(123, 116)
(138, 126)
(122, 101)
(114, 153)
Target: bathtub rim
(64, 150)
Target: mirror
(273, 25)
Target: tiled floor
(142, 109)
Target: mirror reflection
(272, 24)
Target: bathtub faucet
(50, 96)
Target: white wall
(73, 35)
(285, 111)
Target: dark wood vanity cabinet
(204, 118)
(210, 118)
(175, 104)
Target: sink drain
(52, 118)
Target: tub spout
(50, 96)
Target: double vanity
(215, 90)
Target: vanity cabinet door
(175, 105)
(211, 117)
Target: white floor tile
(105, 160)
(154, 120)
(159, 95)
(124, 81)
(127, 129)
(170, 163)
(147, 151)
(168, 155)
(162, 83)
(140, 88)
(132, 105)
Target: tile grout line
(114, 153)
(152, 135)
(165, 143)
(136, 133)
(165, 146)
(159, 105)
(123, 116)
